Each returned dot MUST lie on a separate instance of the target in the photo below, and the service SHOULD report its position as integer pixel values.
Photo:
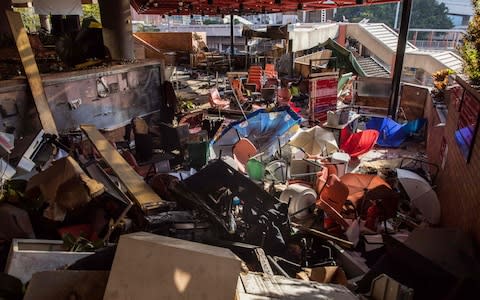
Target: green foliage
(80, 244)
(211, 21)
(30, 20)
(470, 51)
(91, 10)
(425, 14)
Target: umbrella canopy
(421, 195)
(360, 142)
(371, 187)
(391, 133)
(265, 129)
(315, 141)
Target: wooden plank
(31, 70)
(323, 235)
(138, 190)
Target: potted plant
(440, 82)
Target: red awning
(217, 7)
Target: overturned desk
(351, 125)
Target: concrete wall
(458, 184)
(424, 61)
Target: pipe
(400, 55)
(231, 42)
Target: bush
(470, 51)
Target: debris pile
(282, 189)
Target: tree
(471, 46)
(425, 14)
(91, 10)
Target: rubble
(274, 187)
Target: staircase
(382, 41)
(372, 68)
(386, 35)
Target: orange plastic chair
(243, 150)
(216, 101)
(255, 76)
(332, 198)
(236, 84)
(270, 71)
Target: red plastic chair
(216, 101)
(360, 142)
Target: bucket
(341, 159)
(255, 169)
(302, 197)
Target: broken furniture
(263, 287)
(27, 257)
(216, 100)
(310, 64)
(437, 263)
(65, 186)
(139, 191)
(168, 268)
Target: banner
(58, 7)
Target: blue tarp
(393, 134)
(263, 128)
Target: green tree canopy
(425, 14)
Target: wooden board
(31, 70)
(137, 188)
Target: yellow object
(94, 24)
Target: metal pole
(397, 71)
(395, 24)
(231, 42)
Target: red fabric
(360, 142)
(293, 107)
(80, 230)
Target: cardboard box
(65, 284)
(149, 266)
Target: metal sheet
(134, 90)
